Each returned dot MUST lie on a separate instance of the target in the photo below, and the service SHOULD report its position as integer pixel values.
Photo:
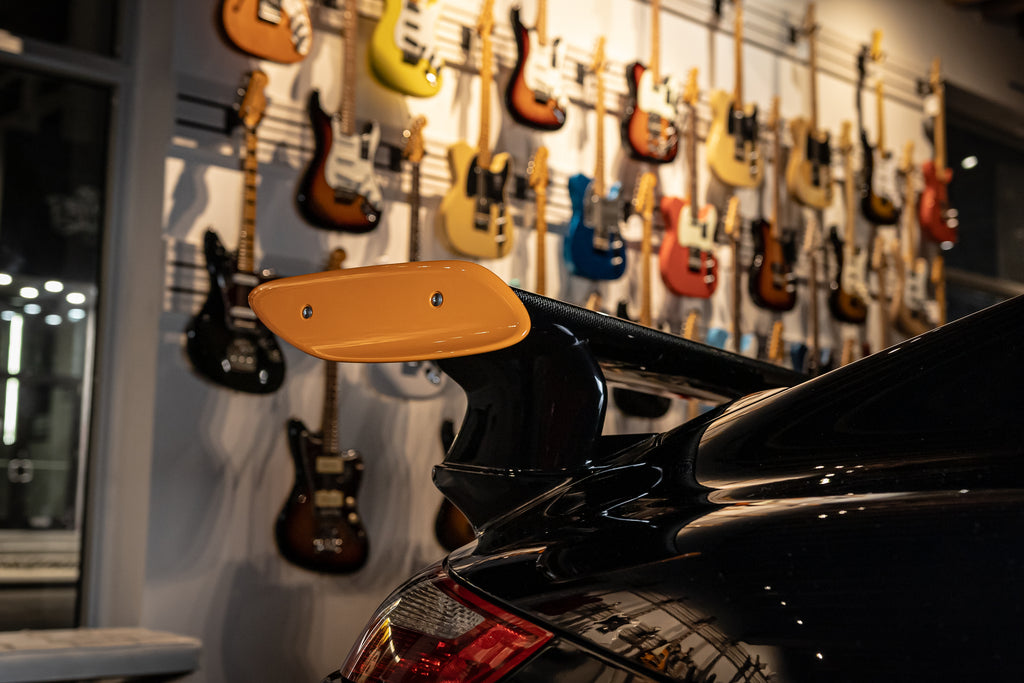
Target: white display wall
(221, 467)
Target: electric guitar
(771, 281)
(278, 30)
(938, 220)
(649, 127)
(401, 53)
(534, 95)
(339, 190)
(417, 379)
(808, 172)
(225, 341)
(912, 315)
(637, 403)
(319, 527)
(848, 289)
(880, 255)
(724, 329)
(537, 172)
(878, 178)
(473, 219)
(733, 147)
(594, 247)
(686, 258)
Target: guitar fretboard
(599, 189)
(350, 21)
(329, 420)
(483, 145)
(414, 214)
(247, 230)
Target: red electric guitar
(686, 258)
(938, 220)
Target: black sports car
(861, 525)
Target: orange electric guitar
(733, 147)
(686, 258)
(938, 220)
(473, 219)
(278, 30)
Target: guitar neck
(350, 21)
(542, 231)
(645, 273)
(814, 80)
(329, 420)
(691, 141)
(414, 214)
(486, 78)
(940, 134)
(738, 46)
(879, 100)
(541, 25)
(848, 187)
(777, 184)
(599, 188)
(247, 230)
(654, 65)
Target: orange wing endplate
(399, 312)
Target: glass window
(82, 24)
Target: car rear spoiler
(535, 370)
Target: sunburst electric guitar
(535, 96)
(808, 171)
(649, 127)
(594, 247)
(473, 219)
(417, 379)
(771, 281)
(734, 153)
(278, 30)
(339, 190)
(401, 53)
(686, 258)
(225, 341)
(938, 220)
(319, 527)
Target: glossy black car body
(863, 525)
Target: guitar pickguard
(349, 167)
(543, 70)
(658, 99)
(488, 189)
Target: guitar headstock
(845, 137)
(773, 115)
(935, 77)
(538, 170)
(907, 160)
(732, 217)
(775, 342)
(337, 258)
(597, 62)
(691, 93)
(875, 52)
(254, 101)
(809, 26)
(643, 198)
(485, 23)
(413, 135)
(690, 326)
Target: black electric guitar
(225, 341)
(878, 178)
(319, 527)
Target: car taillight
(436, 630)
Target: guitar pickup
(329, 464)
(328, 499)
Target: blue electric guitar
(594, 247)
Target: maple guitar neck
(776, 230)
(350, 21)
(814, 77)
(541, 25)
(599, 186)
(247, 229)
(486, 79)
(655, 64)
(940, 129)
(691, 157)
(645, 272)
(737, 92)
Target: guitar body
(401, 54)
(589, 250)
(278, 30)
(339, 191)
(771, 282)
(319, 528)
(534, 95)
(808, 171)
(473, 218)
(845, 302)
(933, 207)
(879, 171)
(686, 257)
(732, 143)
(912, 317)
(225, 341)
(649, 127)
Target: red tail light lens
(435, 630)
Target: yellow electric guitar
(473, 219)
(809, 173)
(733, 149)
(401, 53)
